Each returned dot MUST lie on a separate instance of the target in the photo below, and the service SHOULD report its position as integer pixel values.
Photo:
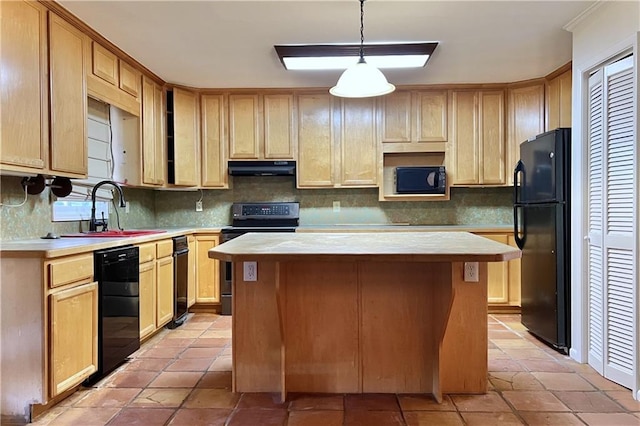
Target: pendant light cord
(361, 31)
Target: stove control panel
(265, 211)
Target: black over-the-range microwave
(421, 180)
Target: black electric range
(254, 217)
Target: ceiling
(229, 44)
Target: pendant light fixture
(362, 80)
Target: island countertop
(394, 246)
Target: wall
(606, 31)
(33, 219)
(468, 206)
(148, 209)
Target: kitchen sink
(115, 233)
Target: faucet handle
(104, 223)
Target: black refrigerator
(541, 230)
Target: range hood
(262, 168)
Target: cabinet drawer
(147, 252)
(71, 269)
(164, 248)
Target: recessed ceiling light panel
(341, 56)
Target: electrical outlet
(471, 272)
(126, 207)
(198, 206)
(336, 206)
(250, 271)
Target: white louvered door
(613, 294)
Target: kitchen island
(355, 313)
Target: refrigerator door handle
(516, 228)
(519, 169)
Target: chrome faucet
(93, 222)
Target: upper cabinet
(153, 134)
(214, 141)
(477, 137)
(43, 122)
(413, 121)
(525, 120)
(24, 92)
(261, 126)
(113, 80)
(336, 142)
(559, 101)
(183, 135)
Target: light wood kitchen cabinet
(191, 276)
(414, 121)
(184, 137)
(214, 141)
(164, 282)
(477, 137)
(73, 354)
(208, 270)
(526, 119)
(68, 130)
(358, 145)
(104, 64)
(316, 141)
(129, 79)
(261, 127)
(559, 101)
(336, 142)
(24, 92)
(147, 257)
(44, 98)
(503, 278)
(153, 136)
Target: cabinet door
(160, 167)
(244, 127)
(315, 141)
(359, 156)
(278, 127)
(68, 98)
(431, 116)
(185, 119)
(104, 64)
(208, 270)
(73, 336)
(559, 101)
(129, 79)
(214, 169)
(464, 132)
(24, 91)
(526, 119)
(164, 291)
(514, 276)
(395, 117)
(191, 277)
(498, 276)
(149, 119)
(491, 137)
(147, 298)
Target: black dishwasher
(180, 281)
(117, 272)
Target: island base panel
(351, 327)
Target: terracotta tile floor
(183, 377)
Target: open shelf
(387, 190)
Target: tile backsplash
(165, 209)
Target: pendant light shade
(362, 80)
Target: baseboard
(213, 308)
(504, 309)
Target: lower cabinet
(207, 270)
(191, 277)
(73, 352)
(156, 285)
(503, 278)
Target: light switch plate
(336, 206)
(250, 271)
